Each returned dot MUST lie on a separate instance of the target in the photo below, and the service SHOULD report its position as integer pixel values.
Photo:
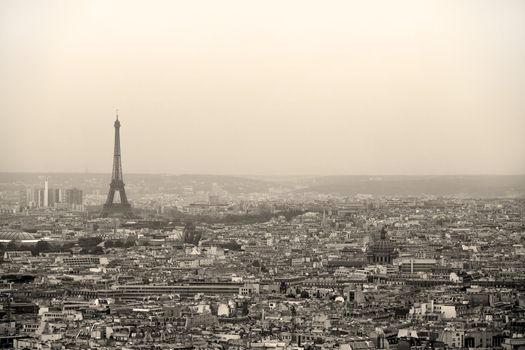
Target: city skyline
(269, 89)
(272, 175)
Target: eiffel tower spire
(117, 183)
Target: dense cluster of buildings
(46, 197)
(343, 273)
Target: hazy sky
(264, 87)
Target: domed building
(382, 250)
(17, 237)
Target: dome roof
(15, 236)
(381, 242)
(382, 245)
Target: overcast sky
(264, 87)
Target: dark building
(73, 196)
(382, 250)
(53, 197)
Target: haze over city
(271, 175)
(264, 88)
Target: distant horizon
(42, 173)
(472, 185)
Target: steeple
(383, 232)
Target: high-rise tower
(46, 193)
(117, 184)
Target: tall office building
(73, 196)
(46, 193)
(27, 198)
(53, 196)
(39, 195)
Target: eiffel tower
(123, 208)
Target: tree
(191, 235)
(113, 244)
(97, 250)
(67, 246)
(89, 242)
(41, 247)
(129, 243)
(293, 310)
(11, 246)
(282, 287)
(244, 309)
(231, 245)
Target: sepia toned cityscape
(285, 175)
